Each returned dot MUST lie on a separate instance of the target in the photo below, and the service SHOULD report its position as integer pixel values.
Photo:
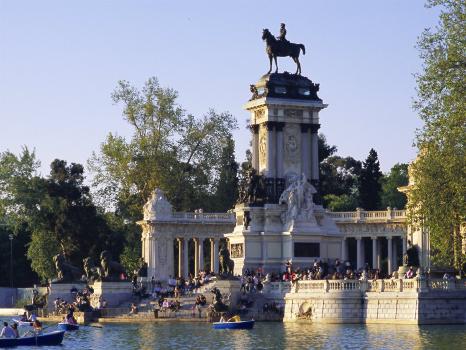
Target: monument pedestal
(63, 291)
(114, 293)
(231, 287)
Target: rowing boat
(52, 338)
(22, 323)
(64, 326)
(234, 325)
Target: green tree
(437, 201)
(397, 177)
(17, 175)
(66, 221)
(169, 149)
(369, 184)
(339, 182)
(226, 191)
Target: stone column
(305, 150)
(216, 262)
(374, 253)
(344, 250)
(314, 153)
(279, 147)
(358, 252)
(255, 146)
(185, 257)
(201, 254)
(403, 244)
(180, 257)
(196, 256)
(211, 241)
(270, 150)
(389, 255)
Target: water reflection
(186, 335)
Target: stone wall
(383, 301)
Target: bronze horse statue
(281, 48)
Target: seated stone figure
(111, 271)
(91, 271)
(66, 273)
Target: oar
(32, 330)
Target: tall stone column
(389, 255)
(201, 254)
(344, 250)
(358, 252)
(216, 262)
(255, 146)
(211, 240)
(374, 253)
(185, 258)
(403, 245)
(196, 256)
(315, 153)
(279, 147)
(305, 150)
(271, 148)
(180, 257)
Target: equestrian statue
(280, 47)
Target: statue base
(114, 293)
(63, 291)
(231, 287)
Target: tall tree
(369, 184)
(339, 183)
(66, 221)
(169, 149)
(397, 177)
(226, 191)
(17, 176)
(438, 199)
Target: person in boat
(37, 326)
(7, 331)
(32, 317)
(235, 318)
(70, 317)
(24, 318)
(222, 318)
(14, 326)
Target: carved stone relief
(262, 147)
(292, 148)
(237, 250)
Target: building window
(306, 250)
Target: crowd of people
(177, 287)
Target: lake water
(272, 335)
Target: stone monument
(277, 218)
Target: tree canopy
(438, 199)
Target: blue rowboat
(22, 323)
(63, 326)
(234, 325)
(52, 338)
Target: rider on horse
(282, 35)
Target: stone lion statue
(91, 271)
(111, 271)
(66, 273)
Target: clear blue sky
(60, 61)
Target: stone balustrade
(205, 217)
(386, 285)
(361, 215)
(277, 287)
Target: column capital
(374, 238)
(269, 126)
(254, 128)
(279, 126)
(305, 128)
(314, 128)
(389, 238)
